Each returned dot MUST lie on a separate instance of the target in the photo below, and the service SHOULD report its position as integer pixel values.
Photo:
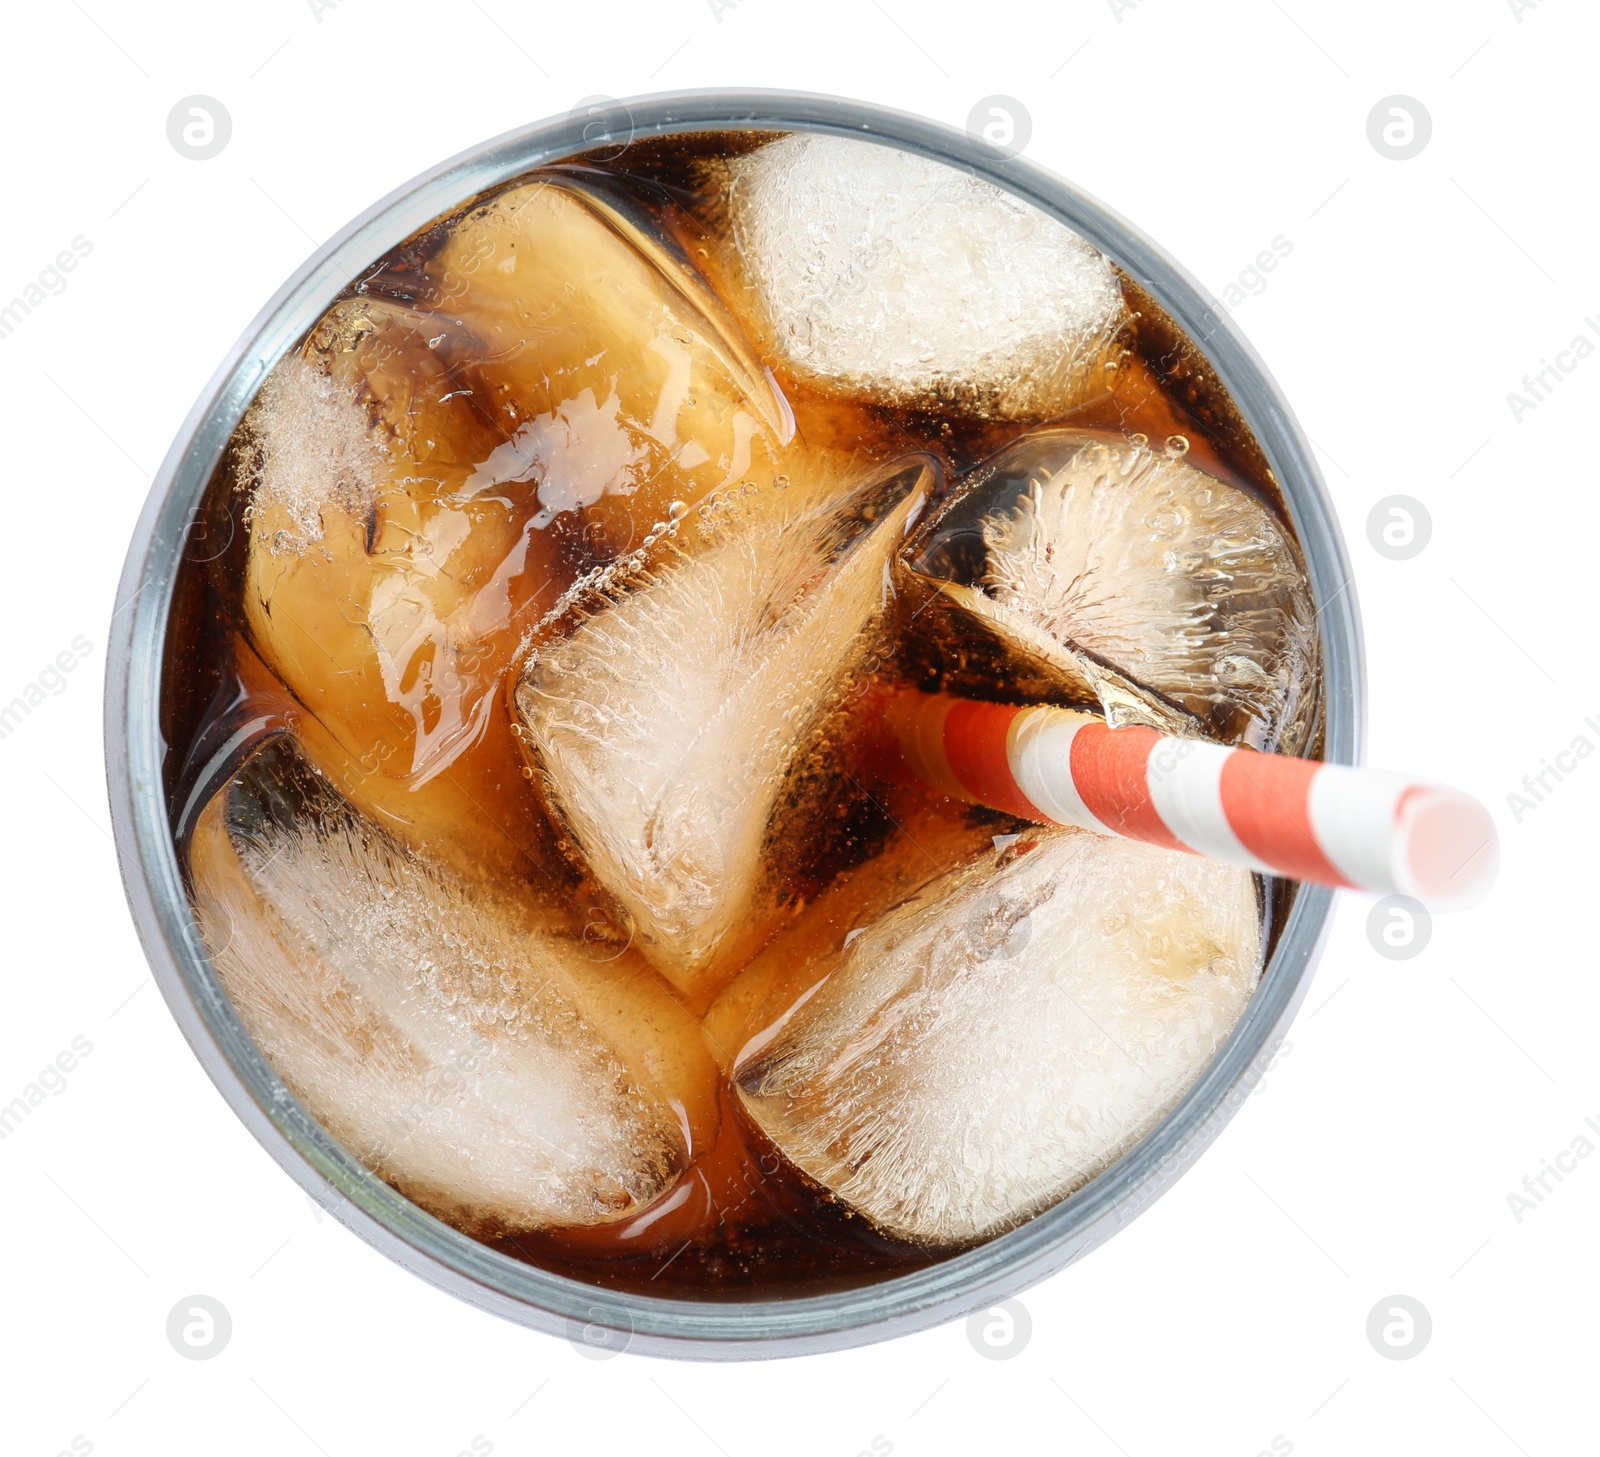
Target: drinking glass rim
(715, 1329)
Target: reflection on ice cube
(991, 1044)
(384, 598)
(880, 272)
(1169, 596)
(475, 1058)
(621, 382)
(530, 389)
(662, 727)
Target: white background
(1418, 1094)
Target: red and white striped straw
(1361, 828)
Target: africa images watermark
(50, 280)
(1538, 386)
(1195, 1143)
(1252, 279)
(49, 682)
(1536, 1186)
(1539, 786)
(51, 1079)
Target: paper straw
(1360, 828)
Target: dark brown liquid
(743, 1222)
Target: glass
(172, 529)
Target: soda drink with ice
(517, 744)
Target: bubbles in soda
(516, 736)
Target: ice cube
(526, 390)
(927, 841)
(1167, 595)
(662, 727)
(993, 1043)
(493, 1067)
(477, 817)
(626, 383)
(879, 272)
(386, 597)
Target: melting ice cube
(1003, 1036)
(528, 388)
(626, 383)
(663, 726)
(927, 844)
(880, 272)
(1148, 585)
(480, 1061)
(387, 600)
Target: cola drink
(515, 702)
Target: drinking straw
(1359, 828)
